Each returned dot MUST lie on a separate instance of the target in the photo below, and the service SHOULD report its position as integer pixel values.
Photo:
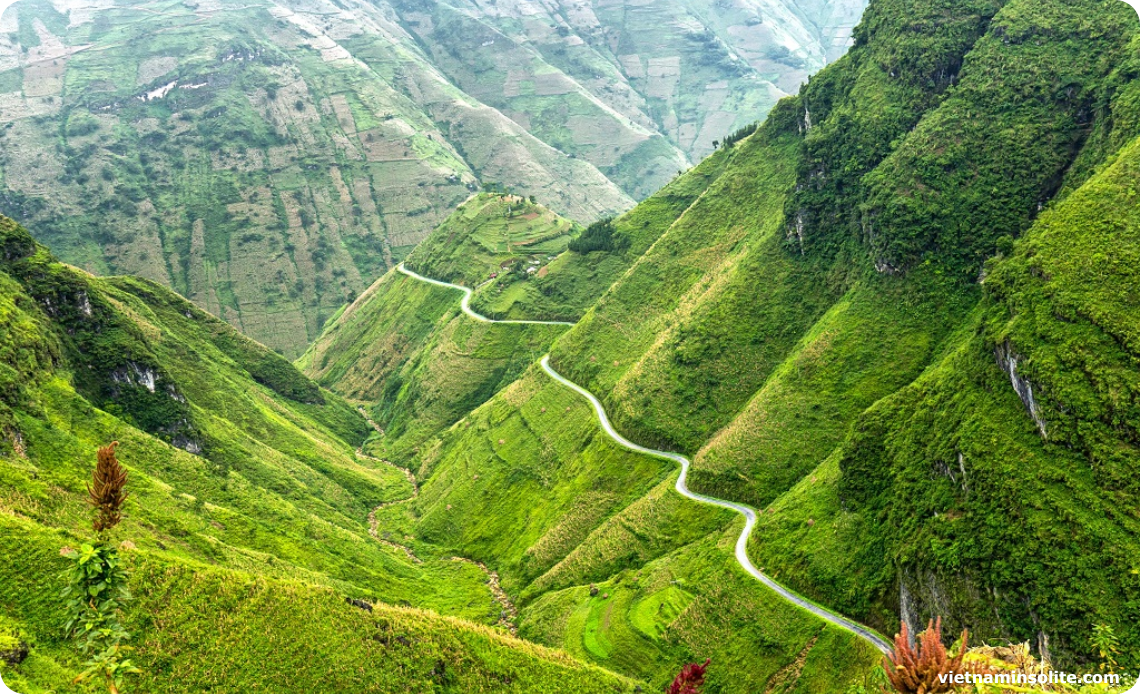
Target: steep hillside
(919, 155)
(403, 346)
(626, 85)
(203, 628)
(270, 160)
(245, 157)
(489, 235)
(248, 512)
(896, 320)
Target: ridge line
(741, 552)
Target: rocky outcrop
(1008, 360)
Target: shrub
(690, 679)
(926, 670)
(96, 588)
(599, 236)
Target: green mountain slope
(897, 320)
(404, 347)
(867, 280)
(202, 628)
(264, 162)
(248, 512)
(270, 160)
(634, 88)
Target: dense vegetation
(599, 236)
(263, 162)
(246, 516)
(896, 317)
(270, 162)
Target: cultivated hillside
(270, 160)
(248, 514)
(896, 319)
(403, 346)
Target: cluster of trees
(735, 137)
(599, 236)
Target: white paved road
(466, 305)
(682, 488)
(748, 513)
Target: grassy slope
(526, 484)
(530, 485)
(200, 628)
(1074, 340)
(487, 232)
(276, 504)
(953, 542)
(574, 281)
(758, 328)
(404, 347)
(282, 171)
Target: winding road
(466, 305)
(682, 488)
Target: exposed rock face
(135, 374)
(1007, 359)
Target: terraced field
(270, 160)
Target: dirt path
(508, 614)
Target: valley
(175, 140)
(589, 398)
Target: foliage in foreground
(690, 679)
(97, 591)
(927, 669)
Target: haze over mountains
(898, 318)
(179, 140)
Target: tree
(690, 679)
(599, 236)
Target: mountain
(247, 513)
(604, 559)
(897, 319)
(270, 160)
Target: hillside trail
(681, 486)
(508, 613)
(466, 304)
(748, 512)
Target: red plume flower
(106, 492)
(690, 679)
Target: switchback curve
(746, 511)
(682, 487)
(466, 304)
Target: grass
(405, 348)
(206, 628)
(525, 484)
(269, 216)
(528, 484)
(488, 235)
(248, 508)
